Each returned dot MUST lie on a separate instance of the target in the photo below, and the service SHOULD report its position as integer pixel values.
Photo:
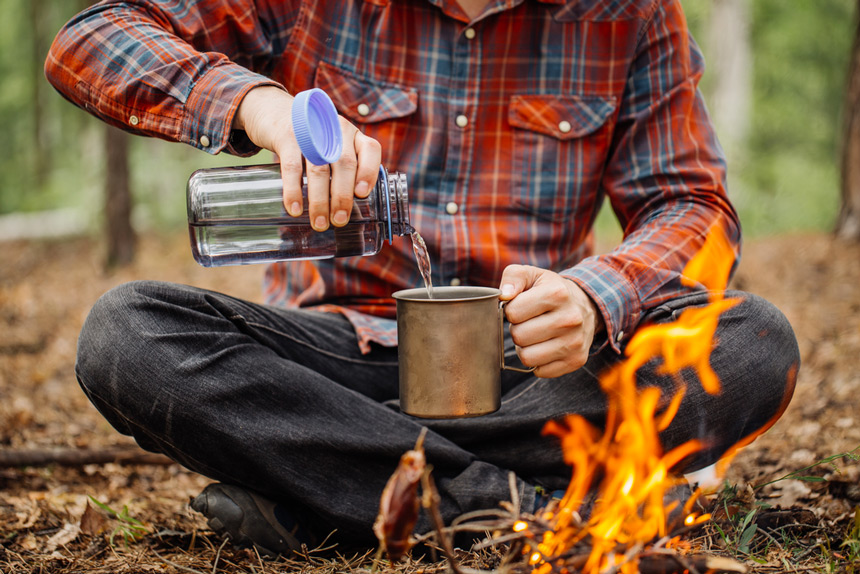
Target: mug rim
(419, 294)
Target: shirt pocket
(365, 100)
(380, 109)
(560, 145)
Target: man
(512, 120)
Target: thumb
(516, 279)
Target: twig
(174, 564)
(515, 494)
(80, 457)
(430, 500)
(260, 559)
(490, 513)
(217, 556)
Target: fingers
(291, 174)
(516, 279)
(354, 174)
(319, 184)
(531, 291)
(370, 158)
(331, 188)
(343, 179)
(552, 319)
(547, 340)
(264, 114)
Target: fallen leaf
(790, 493)
(399, 504)
(65, 535)
(93, 522)
(27, 519)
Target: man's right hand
(265, 115)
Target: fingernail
(320, 223)
(361, 188)
(340, 218)
(507, 290)
(296, 209)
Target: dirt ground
(46, 289)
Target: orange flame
(627, 457)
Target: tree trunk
(730, 66)
(848, 224)
(121, 238)
(41, 158)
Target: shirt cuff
(211, 105)
(615, 297)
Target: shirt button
(620, 336)
(462, 121)
(564, 126)
(452, 208)
(133, 120)
(204, 141)
(363, 110)
(469, 33)
(455, 282)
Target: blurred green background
(774, 83)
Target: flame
(626, 457)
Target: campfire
(620, 512)
(626, 459)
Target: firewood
(80, 456)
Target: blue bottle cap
(317, 127)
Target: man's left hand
(553, 321)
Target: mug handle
(502, 365)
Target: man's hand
(553, 321)
(266, 116)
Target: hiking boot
(546, 500)
(247, 519)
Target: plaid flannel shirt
(511, 129)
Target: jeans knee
(775, 342)
(758, 362)
(107, 333)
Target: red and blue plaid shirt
(511, 129)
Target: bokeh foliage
(784, 177)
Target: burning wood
(626, 460)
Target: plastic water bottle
(236, 215)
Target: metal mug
(451, 351)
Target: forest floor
(47, 288)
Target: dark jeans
(282, 401)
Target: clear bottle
(236, 216)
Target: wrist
(252, 103)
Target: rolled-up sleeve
(173, 70)
(665, 180)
